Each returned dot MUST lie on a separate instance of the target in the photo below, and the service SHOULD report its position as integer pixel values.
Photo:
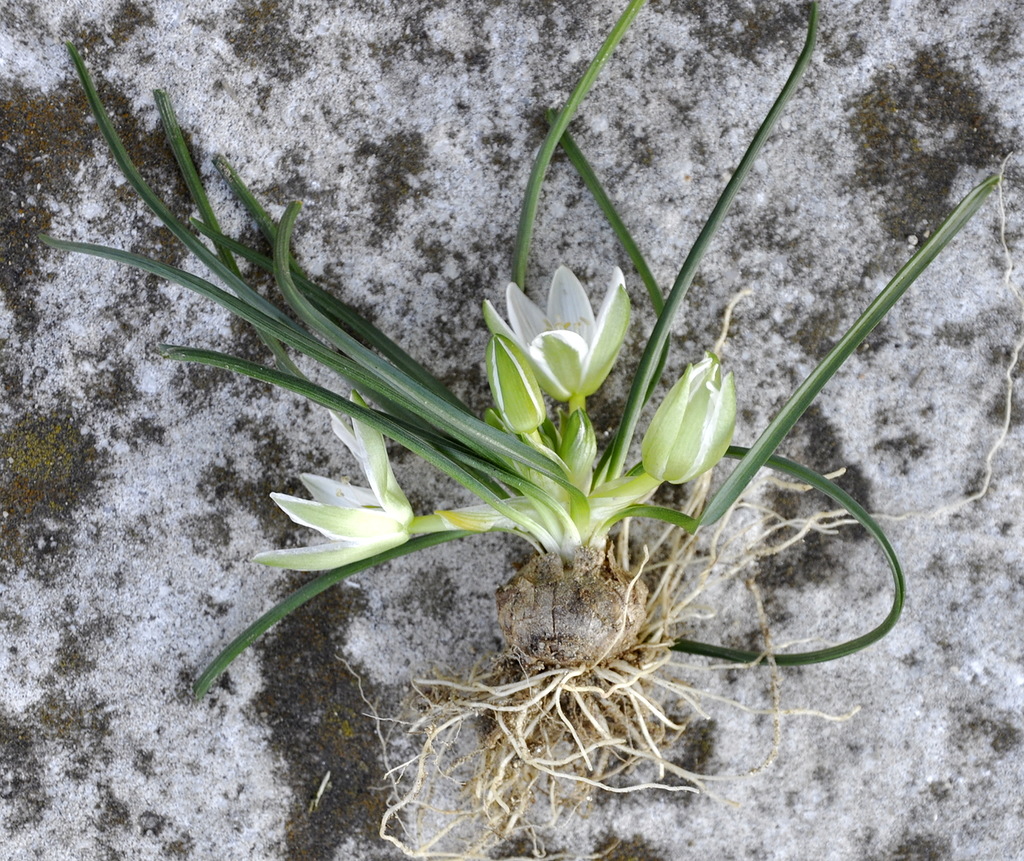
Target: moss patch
(745, 29)
(263, 38)
(917, 127)
(397, 157)
(317, 722)
(42, 139)
(47, 465)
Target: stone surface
(133, 491)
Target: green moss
(262, 37)
(318, 723)
(47, 466)
(917, 128)
(31, 124)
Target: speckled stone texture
(134, 491)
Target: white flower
(571, 350)
(358, 521)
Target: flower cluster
(565, 352)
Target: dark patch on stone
(114, 814)
(151, 824)
(917, 129)
(412, 45)
(1003, 38)
(815, 442)
(72, 654)
(263, 38)
(47, 466)
(1002, 730)
(142, 762)
(79, 725)
(129, 18)
(21, 772)
(317, 721)
(746, 29)
(917, 847)
(818, 558)
(144, 431)
(635, 849)
(42, 140)
(905, 448)
(396, 157)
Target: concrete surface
(134, 491)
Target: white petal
(343, 430)
(356, 525)
(526, 319)
(612, 323)
(496, 324)
(340, 493)
(569, 305)
(562, 355)
(324, 556)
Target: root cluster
(518, 746)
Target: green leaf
(336, 310)
(547, 149)
(306, 593)
(819, 482)
(654, 353)
(802, 398)
(604, 203)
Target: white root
(513, 748)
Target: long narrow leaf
(604, 203)
(474, 432)
(157, 206)
(486, 441)
(806, 392)
(646, 374)
(655, 512)
(547, 149)
(301, 596)
(187, 168)
(819, 482)
(339, 311)
(387, 425)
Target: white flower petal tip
(571, 350)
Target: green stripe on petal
(351, 524)
(325, 556)
(561, 356)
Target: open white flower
(358, 521)
(571, 351)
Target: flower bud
(578, 448)
(693, 427)
(514, 386)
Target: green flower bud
(578, 448)
(693, 426)
(514, 386)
